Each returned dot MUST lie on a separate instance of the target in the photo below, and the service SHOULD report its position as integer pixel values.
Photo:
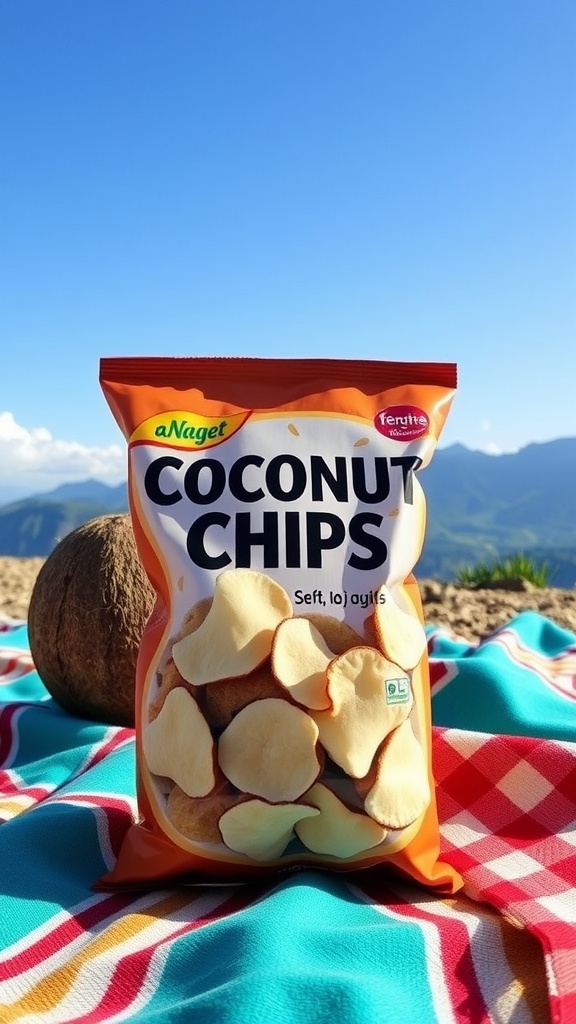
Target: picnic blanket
(310, 948)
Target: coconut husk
(90, 602)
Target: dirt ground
(470, 613)
(17, 578)
(477, 613)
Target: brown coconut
(88, 608)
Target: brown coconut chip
(178, 744)
(223, 700)
(260, 830)
(401, 636)
(370, 632)
(370, 697)
(197, 817)
(236, 635)
(194, 617)
(337, 831)
(397, 787)
(269, 750)
(169, 679)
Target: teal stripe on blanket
(307, 953)
(50, 745)
(17, 637)
(52, 853)
(50, 859)
(520, 681)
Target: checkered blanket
(312, 948)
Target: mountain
(33, 526)
(479, 507)
(91, 491)
(483, 506)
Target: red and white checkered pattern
(507, 808)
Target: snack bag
(282, 692)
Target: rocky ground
(470, 613)
(475, 613)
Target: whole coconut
(88, 608)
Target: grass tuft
(511, 567)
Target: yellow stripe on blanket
(15, 805)
(86, 977)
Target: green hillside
(33, 527)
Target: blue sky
(284, 177)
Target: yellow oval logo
(184, 429)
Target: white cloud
(491, 447)
(495, 449)
(31, 459)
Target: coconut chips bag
(282, 692)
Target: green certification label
(398, 690)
